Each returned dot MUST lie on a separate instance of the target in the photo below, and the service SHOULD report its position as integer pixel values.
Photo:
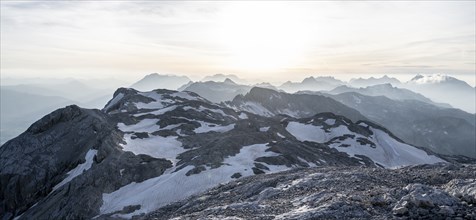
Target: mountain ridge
(199, 141)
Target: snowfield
(175, 185)
(208, 127)
(388, 152)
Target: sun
(263, 36)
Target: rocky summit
(168, 154)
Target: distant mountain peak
(418, 76)
(229, 81)
(151, 75)
(362, 82)
(220, 77)
(309, 80)
(223, 75)
(154, 76)
(160, 81)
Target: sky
(268, 41)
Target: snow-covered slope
(379, 146)
(447, 131)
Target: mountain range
(146, 150)
(444, 130)
(362, 82)
(312, 83)
(223, 77)
(219, 149)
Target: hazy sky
(279, 40)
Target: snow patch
(219, 111)
(145, 125)
(159, 111)
(160, 101)
(207, 127)
(201, 109)
(257, 108)
(264, 129)
(78, 170)
(243, 116)
(114, 101)
(289, 112)
(309, 132)
(330, 121)
(154, 146)
(185, 95)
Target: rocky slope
(418, 192)
(69, 157)
(145, 150)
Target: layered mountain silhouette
(446, 89)
(312, 83)
(217, 91)
(155, 80)
(361, 82)
(389, 91)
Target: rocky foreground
(440, 191)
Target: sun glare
(263, 37)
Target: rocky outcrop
(34, 163)
(420, 192)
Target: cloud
(107, 37)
